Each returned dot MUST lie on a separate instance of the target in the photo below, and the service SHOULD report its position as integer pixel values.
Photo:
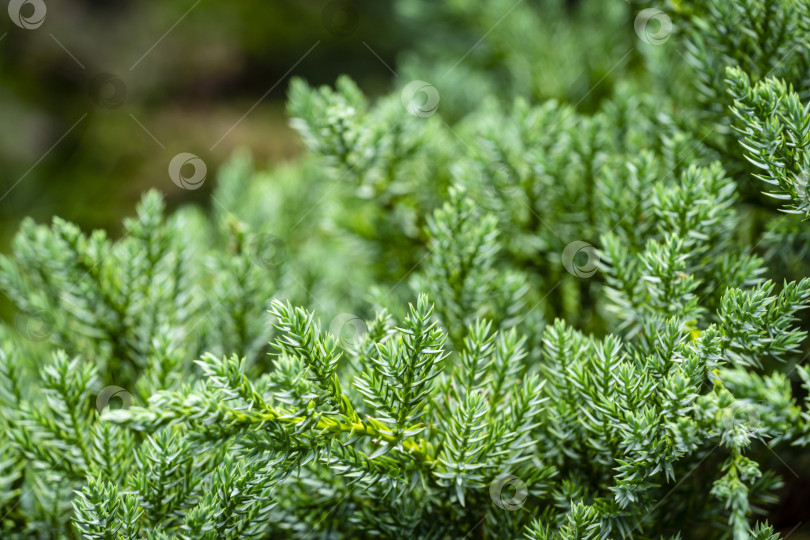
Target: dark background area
(96, 101)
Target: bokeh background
(123, 86)
(96, 101)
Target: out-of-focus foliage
(155, 79)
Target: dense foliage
(561, 309)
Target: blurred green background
(96, 101)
